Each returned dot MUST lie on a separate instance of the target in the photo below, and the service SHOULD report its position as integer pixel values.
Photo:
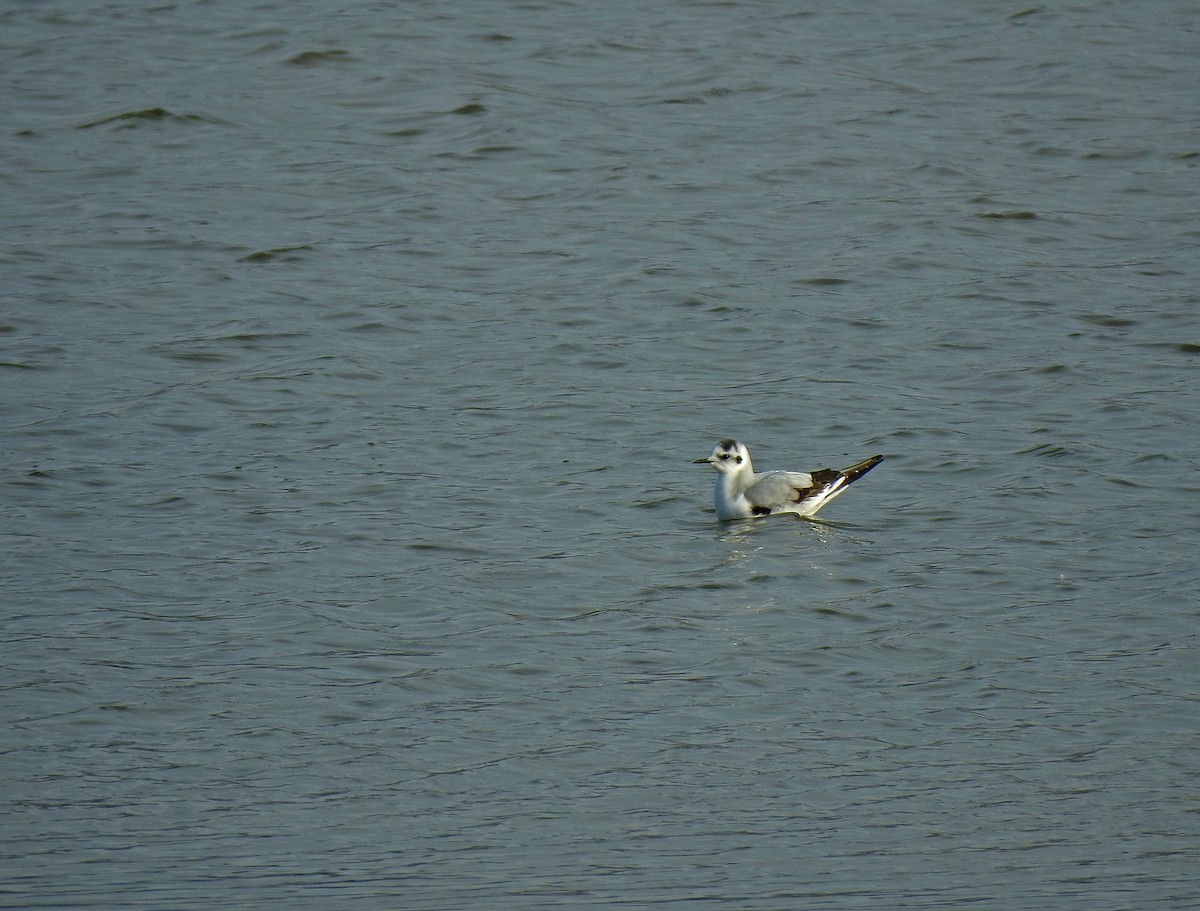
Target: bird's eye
(722, 456)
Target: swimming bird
(742, 494)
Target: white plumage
(740, 493)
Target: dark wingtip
(854, 472)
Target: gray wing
(776, 488)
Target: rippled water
(354, 365)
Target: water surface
(354, 366)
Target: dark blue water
(354, 362)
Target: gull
(742, 494)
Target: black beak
(707, 461)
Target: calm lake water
(354, 363)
